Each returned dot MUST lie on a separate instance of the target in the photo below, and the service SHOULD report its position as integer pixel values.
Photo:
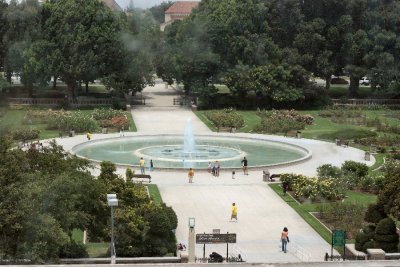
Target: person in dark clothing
(244, 164)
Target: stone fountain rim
(306, 157)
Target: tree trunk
(87, 88)
(54, 82)
(354, 86)
(328, 79)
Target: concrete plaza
(262, 213)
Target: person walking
(142, 163)
(244, 164)
(209, 167)
(218, 169)
(234, 212)
(191, 175)
(151, 165)
(284, 239)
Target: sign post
(339, 239)
(216, 239)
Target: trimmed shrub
(359, 169)
(375, 213)
(349, 134)
(328, 171)
(25, 134)
(386, 236)
(74, 250)
(367, 245)
(129, 174)
(360, 240)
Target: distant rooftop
(113, 5)
(182, 7)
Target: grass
(97, 250)
(77, 235)
(155, 193)
(250, 121)
(201, 115)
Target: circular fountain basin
(167, 151)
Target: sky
(144, 3)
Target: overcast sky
(144, 3)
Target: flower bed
(77, 121)
(282, 121)
(225, 118)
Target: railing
(366, 102)
(36, 101)
(59, 101)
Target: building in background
(178, 11)
(113, 5)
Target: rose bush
(225, 118)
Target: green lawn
(97, 250)
(155, 193)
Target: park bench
(141, 176)
(342, 142)
(295, 134)
(227, 129)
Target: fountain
(182, 152)
(189, 145)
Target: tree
(389, 196)
(86, 38)
(158, 11)
(3, 29)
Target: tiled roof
(113, 5)
(182, 7)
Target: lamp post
(192, 240)
(112, 202)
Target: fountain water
(189, 145)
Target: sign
(215, 238)
(216, 231)
(338, 237)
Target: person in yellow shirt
(141, 165)
(191, 175)
(234, 212)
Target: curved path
(262, 214)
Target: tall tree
(86, 34)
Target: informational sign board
(216, 231)
(338, 238)
(215, 238)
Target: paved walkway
(262, 214)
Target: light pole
(112, 202)
(192, 240)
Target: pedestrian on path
(142, 163)
(244, 164)
(191, 175)
(234, 212)
(284, 239)
(151, 168)
(218, 169)
(209, 167)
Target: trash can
(71, 133)
(298, 134)
(367, 156)
(104, 130)
(266, 176)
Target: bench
(295, 134)
(141, 176)
(342, 142)
(227, 129)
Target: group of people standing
(142, 165)
(215, 168)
